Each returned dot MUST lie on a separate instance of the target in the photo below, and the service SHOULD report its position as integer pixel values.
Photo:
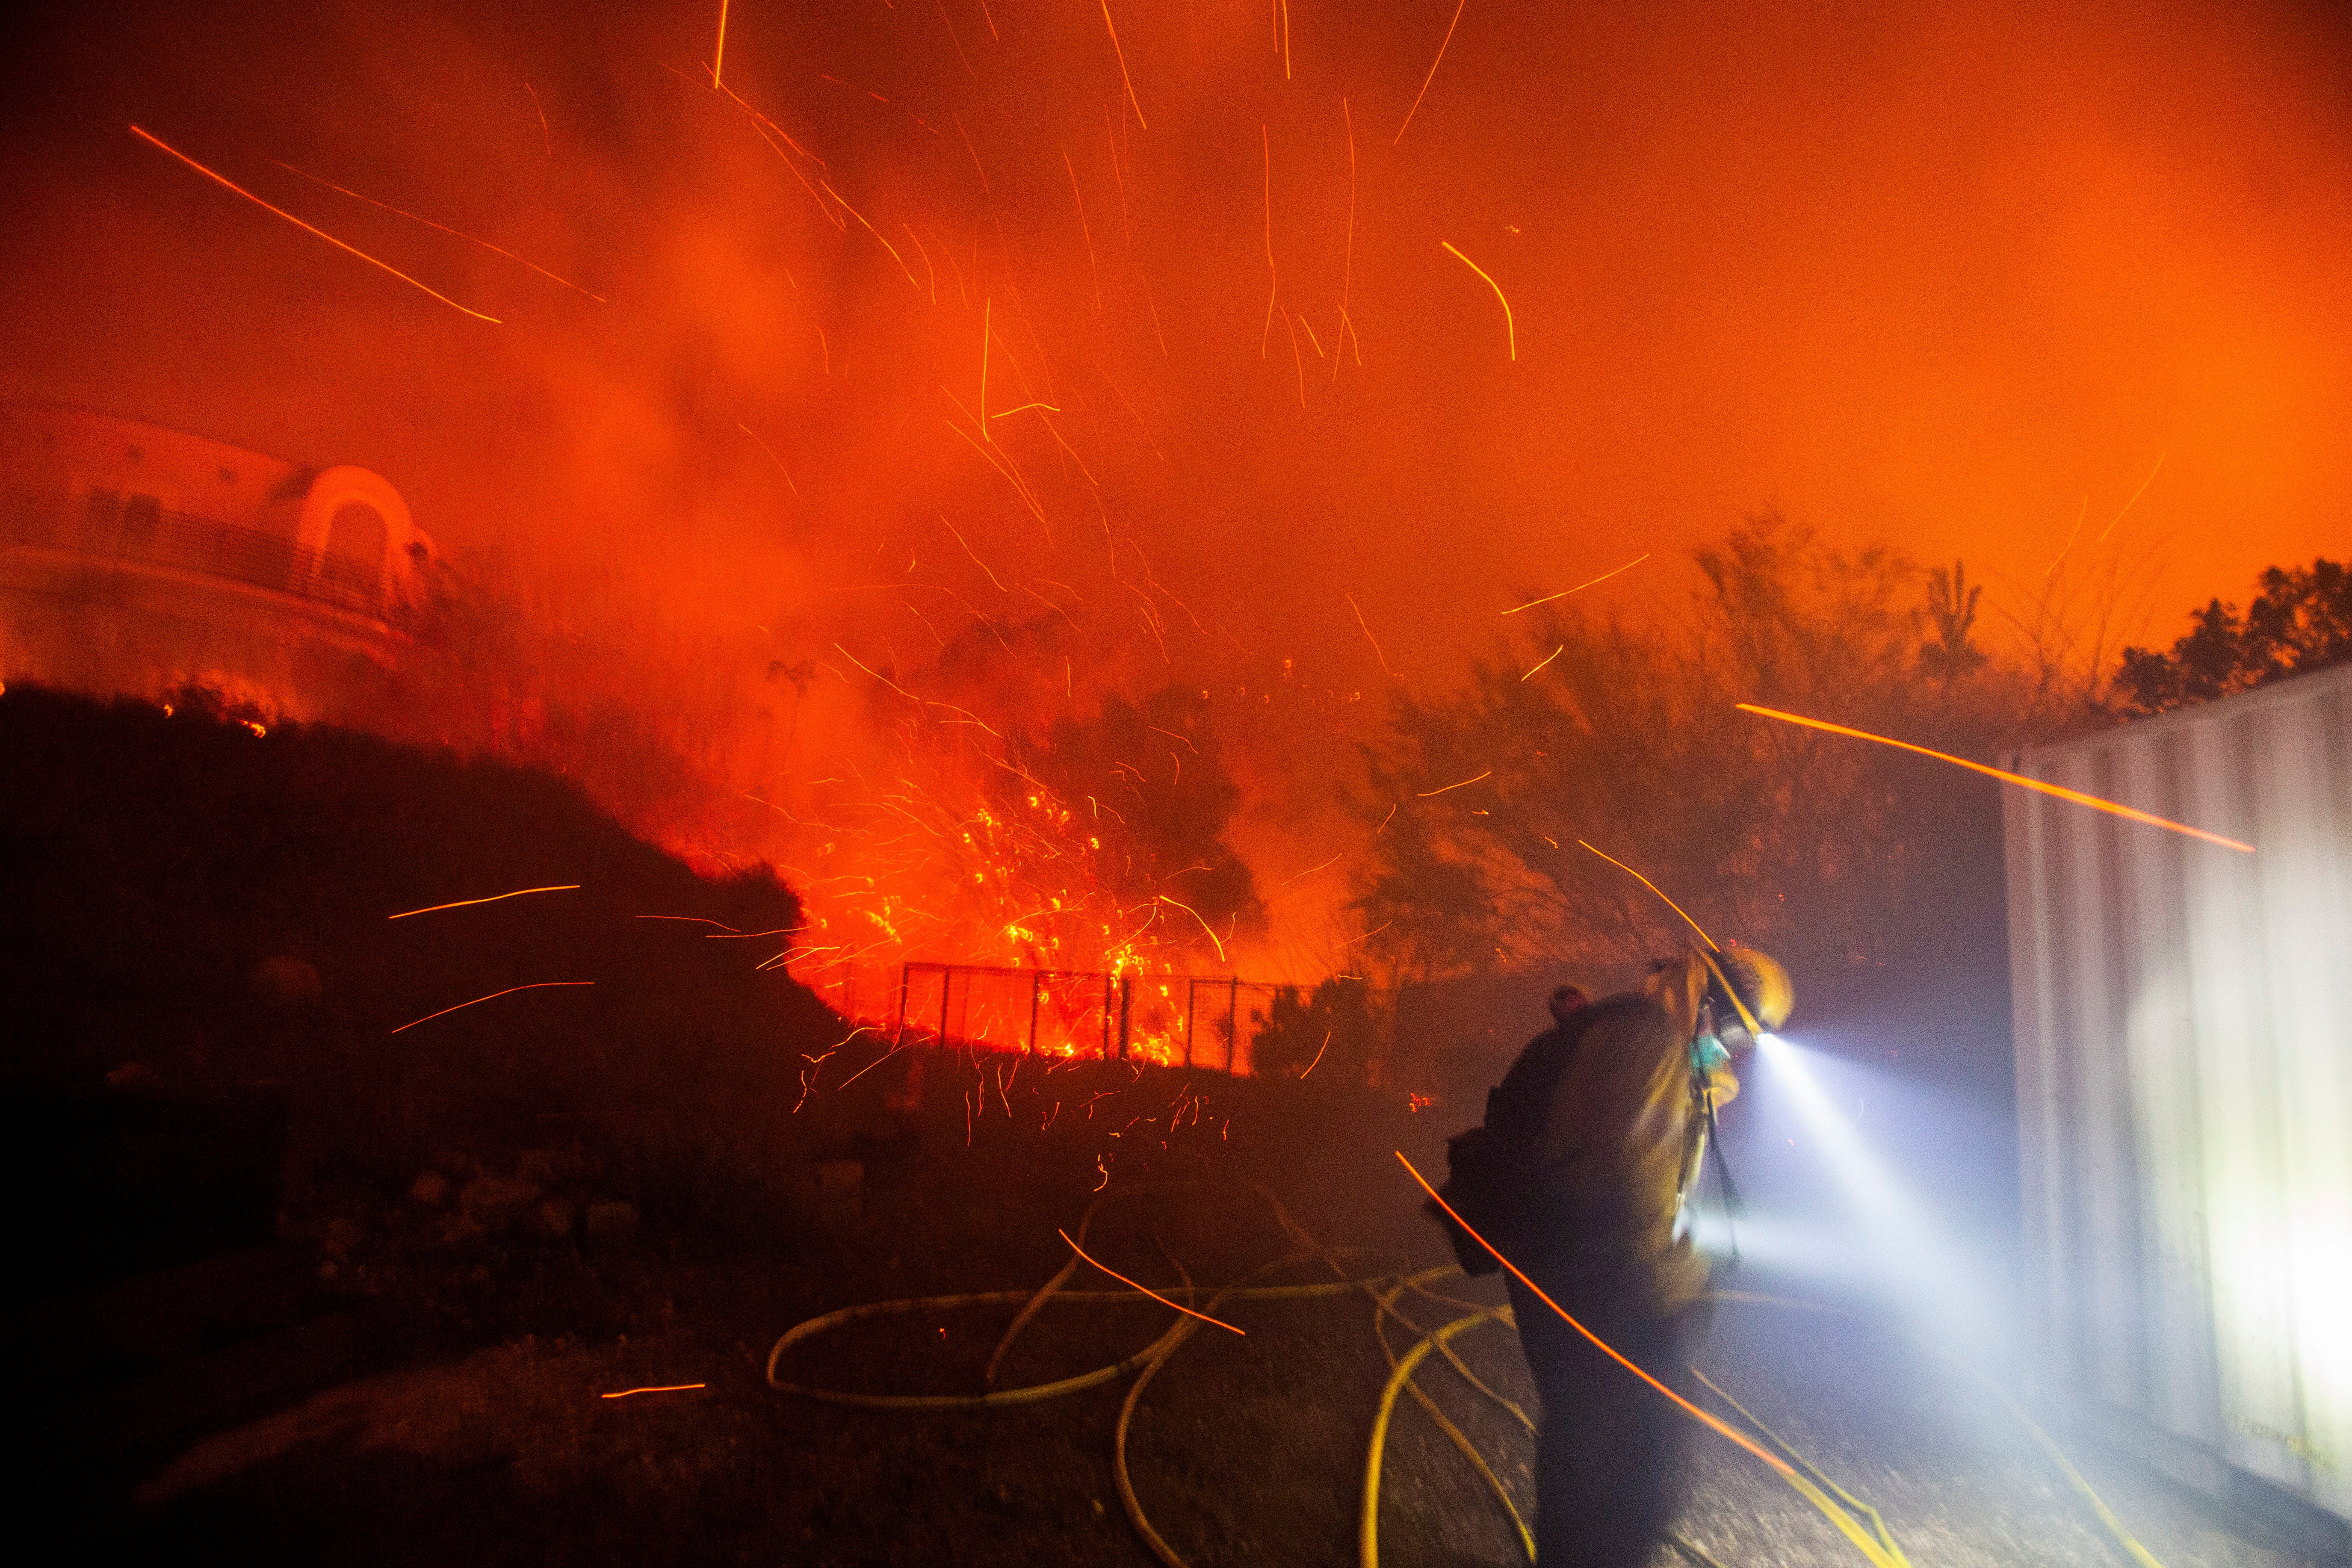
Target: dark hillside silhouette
(199, 969)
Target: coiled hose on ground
(1857, 1521)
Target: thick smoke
(958, 369)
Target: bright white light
(1855, 1166)
(1897, 1239)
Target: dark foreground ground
(1245, 1450)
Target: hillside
(207, 997)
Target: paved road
(1958, 1480)
(1248, 1450)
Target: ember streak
(814, 384)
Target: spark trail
(310, 228)
(2060, 791)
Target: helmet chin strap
(1732, 991)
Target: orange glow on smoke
(1943, 276)
(307, 229)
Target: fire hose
(1845, 1511)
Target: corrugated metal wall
(2184, 1077)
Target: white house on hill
(134, 558)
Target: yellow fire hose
(1846, 1512)
(1853, 1504)
(1151, 1359)
(1468, 1450)
(1367, 1531)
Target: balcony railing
(135, 528)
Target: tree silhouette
(1952, 606)
(1329, 1034)
(2300, 621)
(1828, 852)
(1151, 783)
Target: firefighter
(1578, 1176)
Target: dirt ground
(1245, 1448)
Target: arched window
(354, 562)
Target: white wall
(2183, 1018)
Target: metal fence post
(900, 1033)
(1233, 1023)
(1106, 1016)
(947, 982)
(1126, 1005)
(1037, 979)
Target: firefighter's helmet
(1763, 985)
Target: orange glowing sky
(1956, 276)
